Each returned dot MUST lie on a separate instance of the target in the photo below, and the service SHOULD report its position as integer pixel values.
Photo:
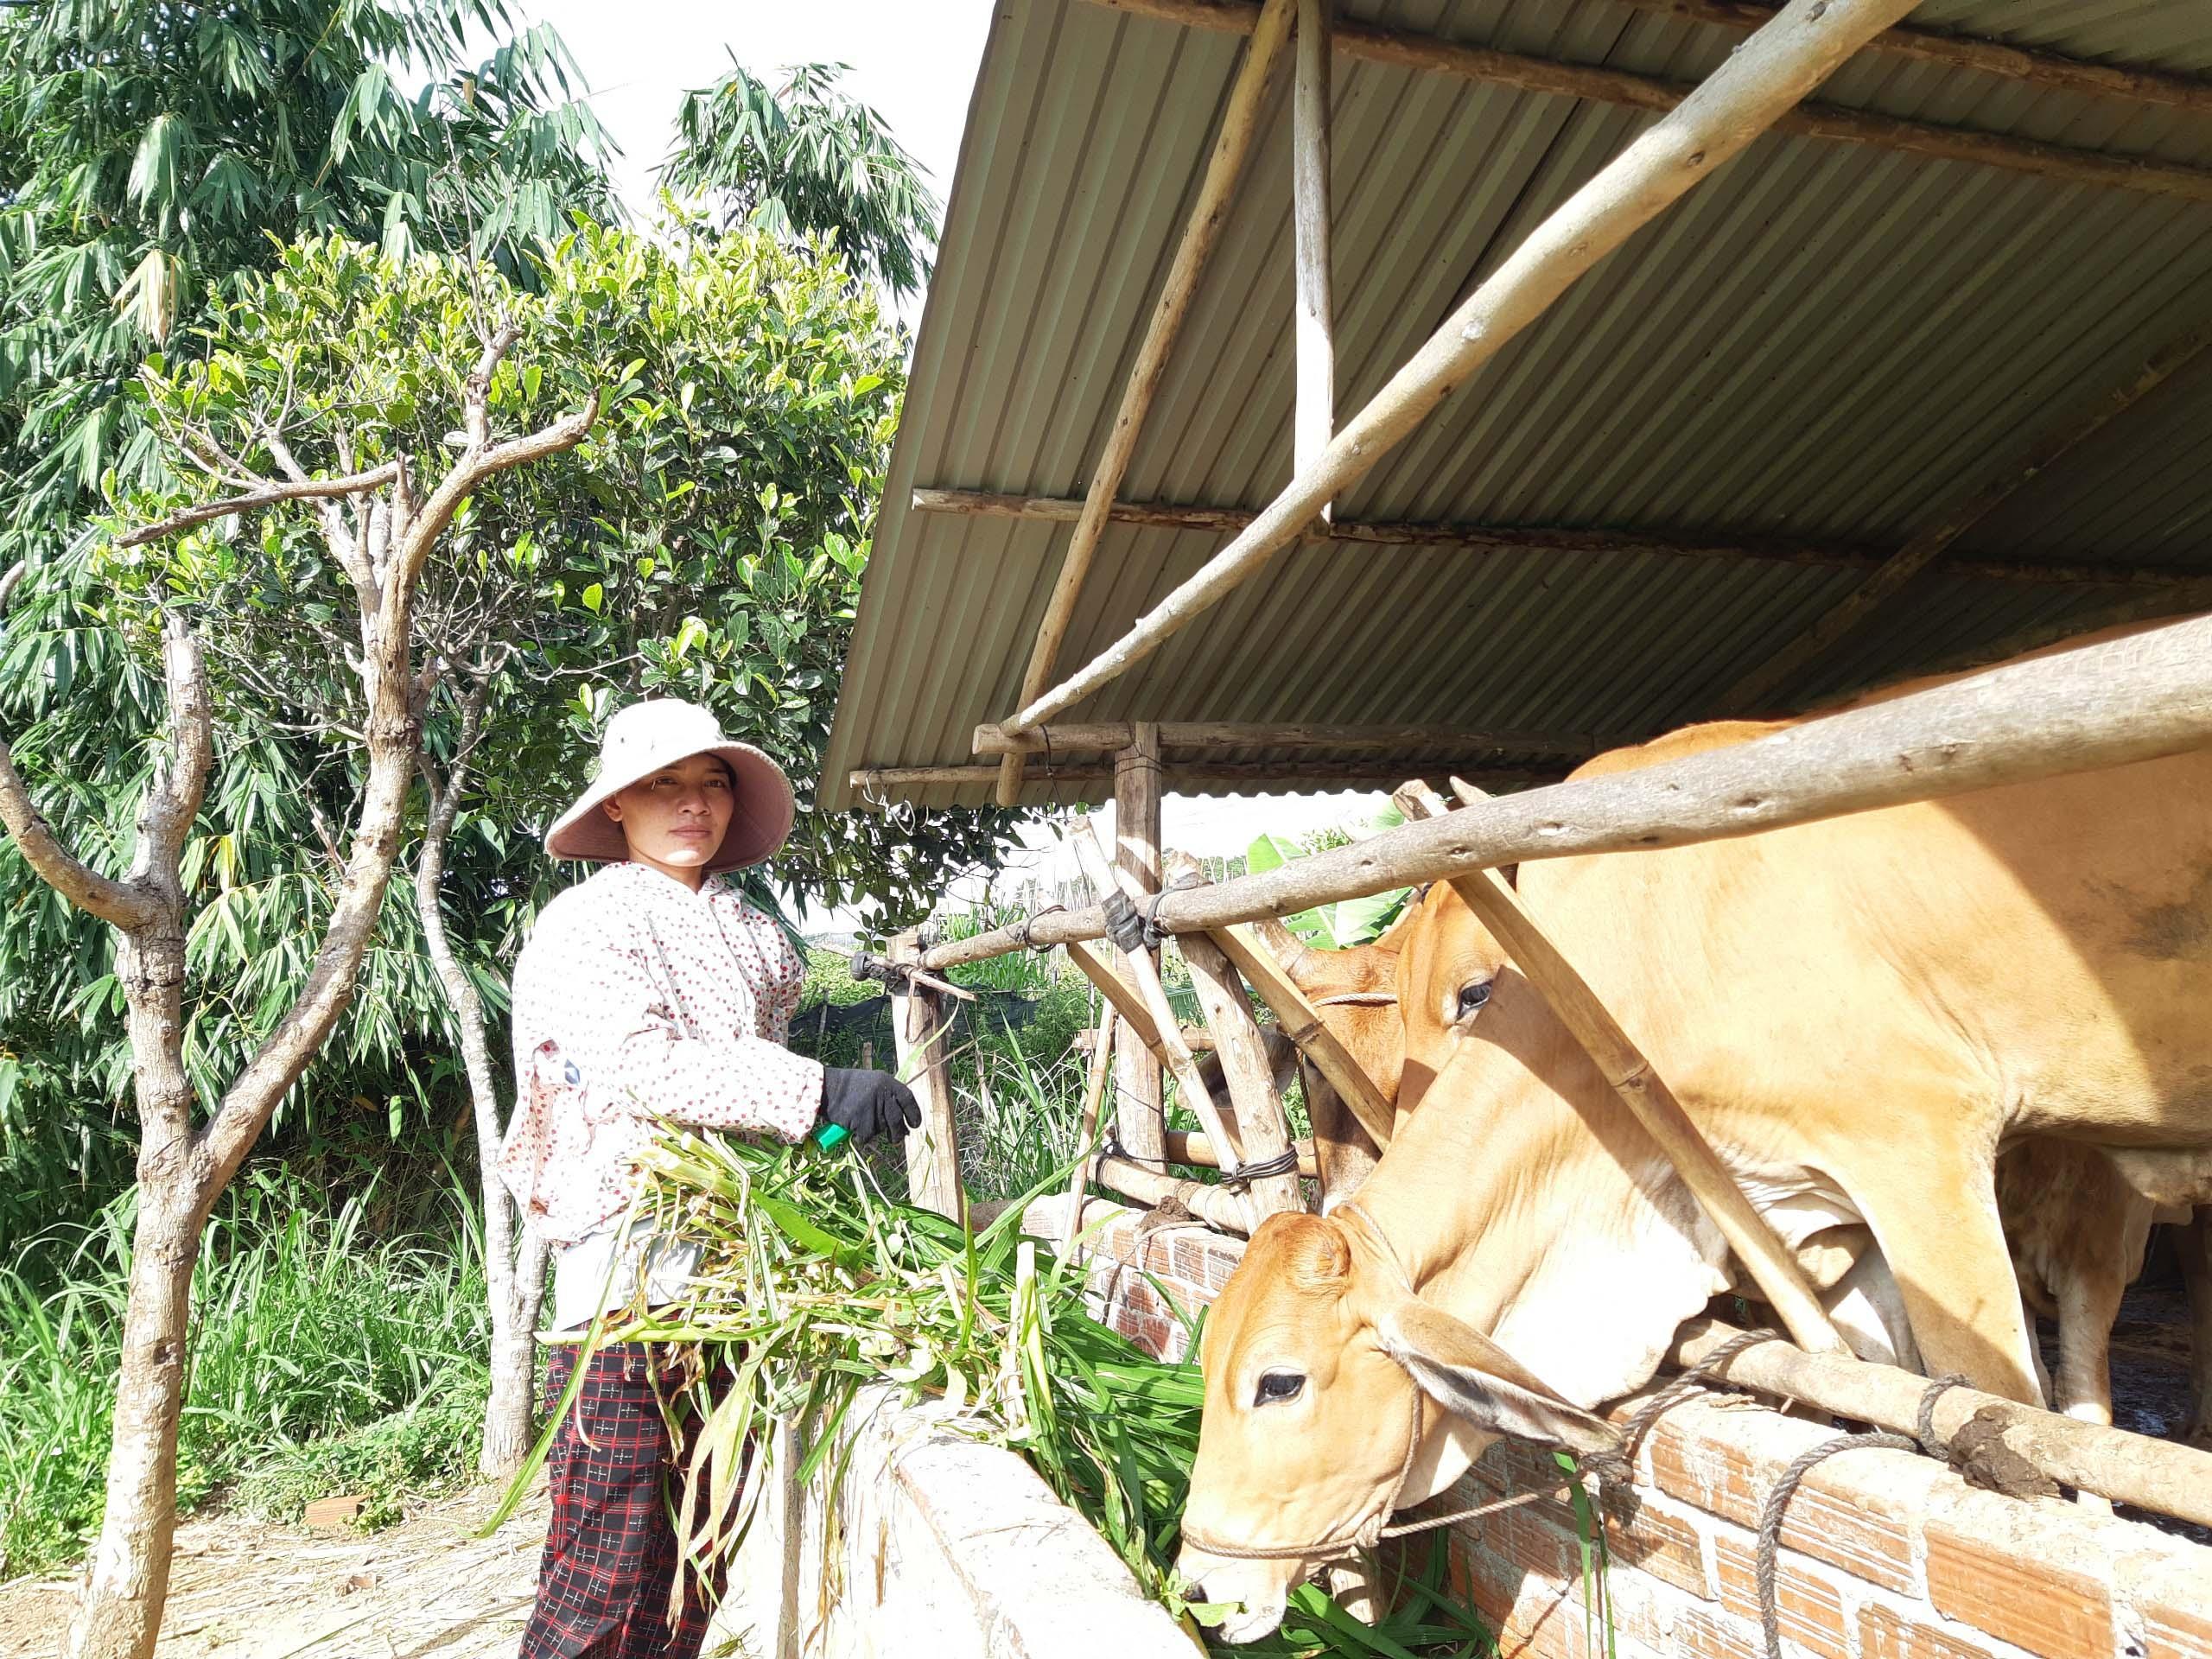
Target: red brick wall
(1885, 1556)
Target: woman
(648, 994)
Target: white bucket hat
(660, 732)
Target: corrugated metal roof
(1826, 342)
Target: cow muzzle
(1259, 1590)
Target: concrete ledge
(931, 1542)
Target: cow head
(1334, 1394)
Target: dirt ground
(246, 1590)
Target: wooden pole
(1184, 738)
(1094, 1091)
(1263, 1129)
(1266, 777)
(2048, 71)
(1142, 967)
(1141, 1107)
(1196, 1148)
(1315, 423)
(1217, 1206)
(1197, 1039)
(1410, 49)
(1301, 1022)
(2161, 1475)
(1239, 123)
(1535, 542)
(2112, 702)
(1917, 555)
(922, 1031)
(1767, 74)
(1644, 1091)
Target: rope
(1021, 929)
(1777, 1504)
(1923, 1420)
(1283, 1163)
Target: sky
(915, 62)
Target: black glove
(868, 1103)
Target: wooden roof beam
(1485, 540)
(1761, 80)
(1927, 544)
(1314, 421)
(1269, 26)
(1184, 741)
(1406, 49)
(1248, 777)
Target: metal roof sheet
(1824, 341)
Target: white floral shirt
(637, 998)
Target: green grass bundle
(828, 1285)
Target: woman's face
(674, 819)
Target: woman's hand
(868, 1103)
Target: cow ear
(1475, 1379)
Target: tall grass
(322, 1358)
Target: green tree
(149, 153)
(807, 160)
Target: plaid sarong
(610, 1558)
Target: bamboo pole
(1182, 737)
(1766, 75)
(1301, 1022)
(1263, 1129)
(1196, 1148)
(1536, 542)
(1630, 1075)
(1136, 1018)
(2161, 1475)
(1166, 1030)
(1917, 555)
(1410, 49)
(1225, 166)
(1093, 1092)
(2106, 703)
(1316, 415)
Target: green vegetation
(325, 1358)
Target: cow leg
(1933, 1211)
(2195, 1251)
(2088, 1302)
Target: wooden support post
(921, 1027)
(1917, 555)
(1263, 1129)
(1759, 83)
(1643, 1092)
(1094, 1091)
(1301, 1022)
(1315, 424)
(1239, 123)
(1141, 1095)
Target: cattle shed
(1323, 392)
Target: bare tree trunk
(514, 1270)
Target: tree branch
(115, 902)
(268, 495)
(478, 392)
(180, 781)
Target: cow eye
(1472, 996)
(1277, 1387)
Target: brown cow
(1857, 1012)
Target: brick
(1856, 1511)
(1532, 1616)
(2175, 1604)
(1809, 1608)
(1534, 1541)
(327, 1512)
(2034, 1575)
(1883, 1634)
(1642, 1538)
(1704, 1634)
